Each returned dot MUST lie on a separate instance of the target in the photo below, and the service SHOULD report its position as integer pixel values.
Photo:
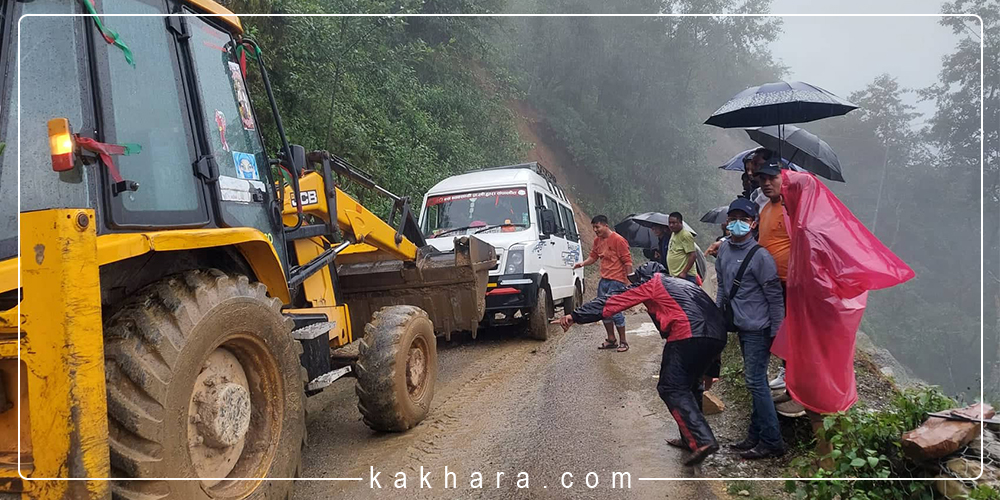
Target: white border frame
(982, 174)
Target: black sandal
(623, 347)
(609, 345)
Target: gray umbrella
(716, 215)
(801, 147)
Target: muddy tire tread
(142, 343)
(378, 403)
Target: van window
(567, 214)
(552, 205)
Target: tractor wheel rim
(416, 368)
(233, 424)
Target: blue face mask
(738, 228)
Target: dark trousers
(756, 349)
(684, 364)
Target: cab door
(144, 103)
(232, 151)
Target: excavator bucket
(450, 286)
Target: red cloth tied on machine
(104, 150)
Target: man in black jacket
(695, 334)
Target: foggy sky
(844, 54)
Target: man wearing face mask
(749, 294)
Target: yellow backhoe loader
(169, 292)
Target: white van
(522, 212)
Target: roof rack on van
(538, 169)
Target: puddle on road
(646, 329)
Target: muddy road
(506, 404)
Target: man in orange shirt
(616, 264)
(772, 232)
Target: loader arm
(378, 263)
(375, 239)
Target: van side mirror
(548, 222)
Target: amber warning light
(60, 144)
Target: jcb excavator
(169, 293)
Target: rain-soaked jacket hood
(646, 271)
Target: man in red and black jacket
(695, 334)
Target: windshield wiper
(452, 230)
(494, 226)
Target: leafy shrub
(867, 444)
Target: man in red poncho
(834, 261)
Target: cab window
(232, 130)
(146, 105)
(45, 73)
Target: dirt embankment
(550, 152)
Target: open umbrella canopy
(637, 236)
(716, 215)
(736, 163)
(778, 103)
(649, 218)
(636, 229)
(802, 147)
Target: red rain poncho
(834, 261)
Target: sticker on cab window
(246, 166)
(220, 123)
(242, 97)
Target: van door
(560, 268)
(575, 251)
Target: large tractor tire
(538, 319)
(203, 381)
(396, 368)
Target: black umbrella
(802, 147)
(716, 215)
(637, 236)
(778, 103)
(649, 218)
(636, 229)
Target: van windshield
(498, 210)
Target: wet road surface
(507, 404)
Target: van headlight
(515, 260)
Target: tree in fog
(627, 96)
(955, 129)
